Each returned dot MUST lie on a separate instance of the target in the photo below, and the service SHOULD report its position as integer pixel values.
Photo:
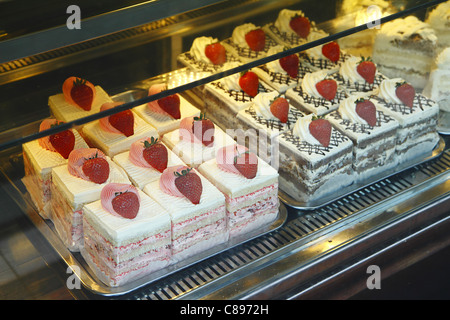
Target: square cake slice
(250, 187)
(127, 245)
(196, 207)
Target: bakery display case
(318, 243)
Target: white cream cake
(439, 19)
(438, 84)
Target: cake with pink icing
(416, 114)
(250, 188)
(41, 155)
(127, 235)
(77, 183)
(318, 93)
(64, 108)
(165, 114)
(373, 133)
(196, 208)
(315, 160)
(146, 160)
(115, 133)
(196, 140)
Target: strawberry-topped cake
(196, 208)
(196, 140)
(41, 155)
(146, 160)
(250, 187)
(248, 42)
(315, 159)
(225, 98)
(318, 93)
(77, 183)
(115, 133)
(269, 115)
(373, 133)
(291, 28)
(127, 235)
(416, 115)
(79, 98)
(166, 113)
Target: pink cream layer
(218, 212)
(231, 202)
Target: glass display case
(311, 249)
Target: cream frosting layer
(348, 70)
(301, 130)
(198, 48)
(238, 35)
(403, 28)
(284, 18)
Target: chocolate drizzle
(275, 124)
(203, 66)
(420, 104)
(359, 87)
(359, 127)
(238, 96)
(284, 78)
(292, 39)
(324, 63)
(249, 53)
(320, 102)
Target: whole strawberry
(290, 65)
(367, 69)
(156, 154)
(203, 129)
(126, 204)
(216, 53)
(367, 110)
(249, 83)
(406, 93)
(247, 164)
(321, 130)
(256, 39)
(63, 142)
(189, 184)
(171, 105)
(327, 88)
(82, 94)
(123, 121)
(332, 51)
(280, 109)
(300, 25)
(96, 169)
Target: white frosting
(310, 80)
(301, 130)
(439, 17)
(403, 28)
(239, 33)
(387, 90)
(284, 18)
(348, 70)
(198, 48)
(443, 60)
(275, 66)
(316, 52)
(231, 82)
(261, 104)
(347, 109)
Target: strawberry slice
(171, 105)
(123, 121)
(203, 129)
(327, 88)
(367, 69)
(300, 25)
(256, 39)
(249, 83)
(405, 92)
(82, 94)
(96, 169)
(280, 109)
(247, 164)
(155, 153)
(290, 65)
(216, 53)
(63, 142)
(126, 204)
(332, 51)
(189, 184)
(321, 130)
(367, 110)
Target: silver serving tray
(322, 201)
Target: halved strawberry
(249, 83)
(216, 53)
(290, 65)
(203, 129)
(82, 94)
(155, 153)
(321, 130)
(367, 110)
(189, 184)
(126, 204)
(367, 69)
(332, 51)
(247, 164)
(171, 105)
(405, 92)
(280, 109)
(123, 121)
(256, 39)
(327, 88)
(63, 142)
(96, 169)
(300, 25)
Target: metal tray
(317, 203)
